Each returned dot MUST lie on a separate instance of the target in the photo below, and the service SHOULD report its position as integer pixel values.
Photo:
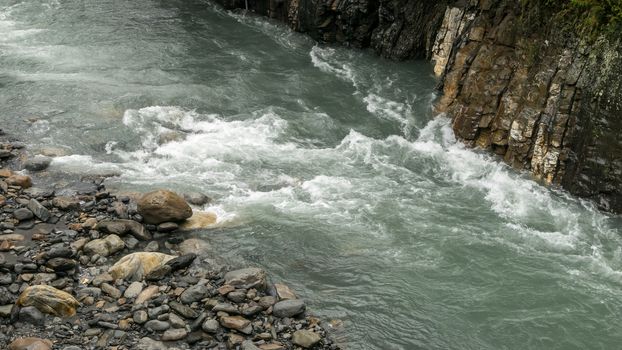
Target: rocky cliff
(530, 89)
(517, 78)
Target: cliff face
(395, 29)
(513, 81)
(540, 97)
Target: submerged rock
(49, 300)
(136, 266)
(194, 246)
(37, 163)
(161, 206)
(195, 198)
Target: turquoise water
(327, 166)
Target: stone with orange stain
(49, 300)
(136, 266)
(22, 181)
(199, 220)
(30, 343)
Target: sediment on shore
(81, 268)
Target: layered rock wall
(395, 29)
(514, 81)
(544, 98)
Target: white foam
(83, 164)
(388, 109)
(11, 30)
(325, 60)
(326, 188)
(252, 162)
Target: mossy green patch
(588, 18)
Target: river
(327, 167)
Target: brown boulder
(199, 220)
(136, 266)
(22, 181)
(30, 344)
(5, 172)
(49, 300)
(161, 206)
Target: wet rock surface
(393, 29)
(538, 94)
(92, 277)
(163, 206)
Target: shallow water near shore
(327, 167)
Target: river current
(327, 167)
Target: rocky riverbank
(81, 268)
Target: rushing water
(327, 167)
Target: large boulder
(49, 300)
(161, 206)
(136, 266)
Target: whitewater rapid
(327, 166)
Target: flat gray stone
(288, 308)
(247, 278)
(194, 293)
(133, 290)
(174, 334)
(39, 210)
(37, 163)
(210, 326)
(22, 214)
(157, 326)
